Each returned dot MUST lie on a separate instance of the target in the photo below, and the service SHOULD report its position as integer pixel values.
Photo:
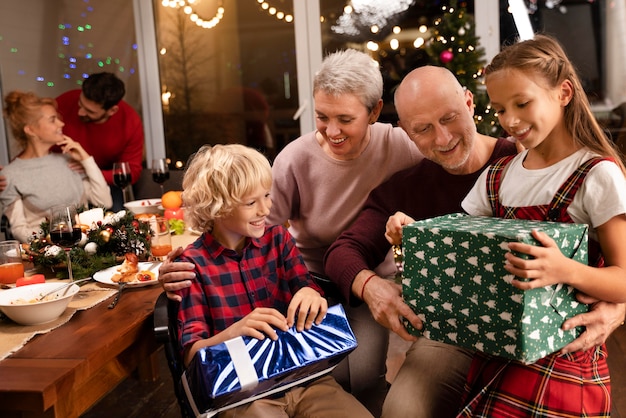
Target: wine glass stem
(162, 190)
(125, 194)
(69, 265)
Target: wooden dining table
(64, 372)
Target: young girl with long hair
(569, 172)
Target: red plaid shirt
(229, 286)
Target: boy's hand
(259, 323)
(310, 307)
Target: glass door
(228, 74)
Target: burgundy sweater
(423, 191)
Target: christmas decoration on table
(105, 239)
(454, 45)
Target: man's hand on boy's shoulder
(175, 275)
(309, 306)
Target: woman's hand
(394, 226)
(73, 148)
(309, 306)
(175, 276)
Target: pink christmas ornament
(446, 56)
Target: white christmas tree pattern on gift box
(454, 279)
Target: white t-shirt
(601, 197)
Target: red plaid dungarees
(571, 385)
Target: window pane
(577, 24)
(405, 34)
(232, 82)
(48, 46)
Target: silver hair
(350, 72)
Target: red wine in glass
(64, 231)
(121, 176)
(160, 177)
(160, 172)
(121, 180)
(65, 237)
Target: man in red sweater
(106, 126)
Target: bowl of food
(143, 206)
(22, 304)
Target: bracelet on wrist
(364, 284)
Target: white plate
(104, 276)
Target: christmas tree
(455, 46)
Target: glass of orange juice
(11, 267)
(161, 241)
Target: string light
(187, 6)
(273, 11)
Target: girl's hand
(309, 306)
(73, 148)
(394, 226)
(546, 266)
(258, 323)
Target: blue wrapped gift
(244, 369)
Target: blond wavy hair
(217, 180)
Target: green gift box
(454, 279)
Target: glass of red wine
(160, 172)
(65, 231)
(121, 176)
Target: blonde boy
(250, 277)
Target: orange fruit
(172, 200)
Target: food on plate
(35, 278)
(129, 272)
(144, 217)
